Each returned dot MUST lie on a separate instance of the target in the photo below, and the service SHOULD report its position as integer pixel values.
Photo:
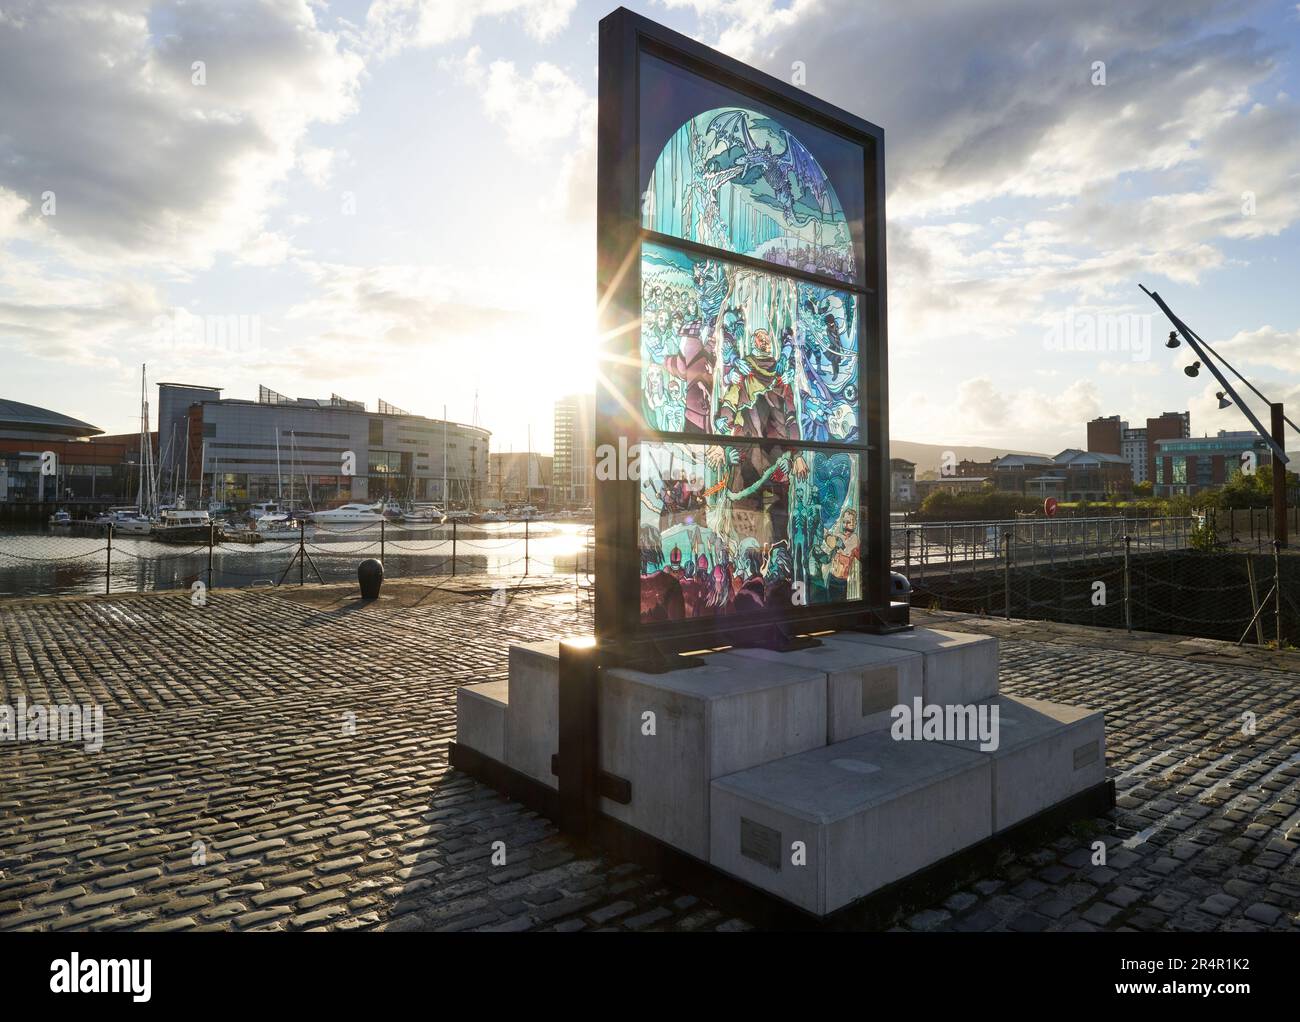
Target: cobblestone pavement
(271, 761)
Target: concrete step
(1046, 753)
(865, 812)
(481, 718)
(960, 667)
(533, 730)
(863, 682)
(729, 714)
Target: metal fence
(921, 547)
(1162, 575)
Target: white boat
(491, 516)
(349, 514)
(113, 513)
(279, 524)
(259, 511)
(425, 514)
(60, 517)
(132, 525)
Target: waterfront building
(82, 470)
(1189, 465)
(573, 471)
(902, 484)
(320, 452)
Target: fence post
(525, 546)
(212, 538)
(453, 548)
(302, 551)
(382, 524)
(108, 561)
(1254, 602)
(1277, 584)
(1006, 574)
(1128, 606)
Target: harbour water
(44, 561)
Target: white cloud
(1267, 346)
(267, 249)
(394, 25)
(544, 105)
(99, 105)
(153, 176)
(982, 412)
(992, 101)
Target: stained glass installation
(733, 529)
(738, 352)
(736, 180)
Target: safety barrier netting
(1157, 575)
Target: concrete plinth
(865, 812)
(1046, 753)
(960, 667)
(729, 714)
(533, 732)
(481, 718)
(863, 682)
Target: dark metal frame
(620, 633)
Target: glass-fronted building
(321, 452)
(49, 457)
(1188, 465)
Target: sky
(395, 199)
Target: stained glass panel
(740, 528)
(738, 181)
(731, 350)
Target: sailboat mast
(279, 491)
(139, 490)
(185, 477)
(445, 506)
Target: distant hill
(927, 456)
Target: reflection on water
(40, 561)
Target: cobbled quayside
(277, 759)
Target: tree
(1245, 490)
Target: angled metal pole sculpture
(1193, 342)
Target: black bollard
(370, 573)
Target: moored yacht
(349, 514)
(126, 521)
(423, 514)
(180, 526)
(259, 511)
